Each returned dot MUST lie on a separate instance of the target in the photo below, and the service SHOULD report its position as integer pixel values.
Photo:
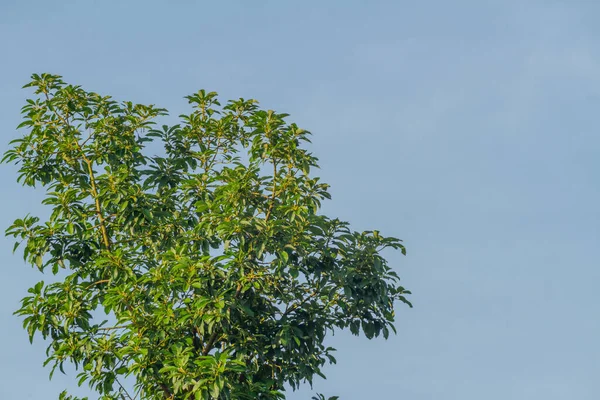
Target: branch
(165, 388)
(94, 191)
(97, 203)
(98, 283)
(112, 328)
(274, 191)
(123, 388)
(210, 343)
(303, 301)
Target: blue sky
(467, 128)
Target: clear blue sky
(468, 128)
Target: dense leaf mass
(202, 273)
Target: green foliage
(203, 273)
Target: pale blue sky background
(467, 128)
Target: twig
(274, 191)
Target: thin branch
(94, 191)
(112, 328)
(165, 388)
(97, 201)
(98, 283)
(210, 343)
(271, 205)
(302, 302)
(123, 388)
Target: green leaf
(246, 309)
(147, 214)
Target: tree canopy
(202, 272)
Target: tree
(205, 272)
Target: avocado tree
(203, 272)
